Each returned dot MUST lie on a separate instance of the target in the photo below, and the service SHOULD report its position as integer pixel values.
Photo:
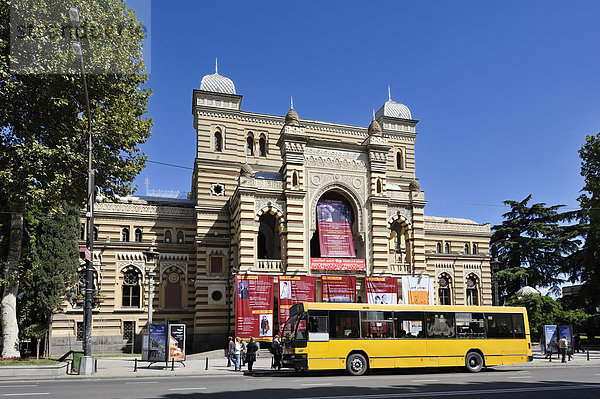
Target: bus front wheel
(356, 364)
(473, 362)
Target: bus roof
(434, 308)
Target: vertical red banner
(382, 290)
(335, 234)
(292, 290)
(254, 307)
(338, 289)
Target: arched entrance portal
(400, 250)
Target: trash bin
(77, 355)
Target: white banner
(417, 290)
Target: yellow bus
(358, 337)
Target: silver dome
(394, 110)
(217, 84)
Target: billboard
(254, 307)
(337, 264)
(335, 234)
(382, 290)
(157, 348)
(292, 290)
(176, 342)
(338, 289)
(417, 290)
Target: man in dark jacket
(251, 350)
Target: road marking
(317, 384)
(185, 389)
(458, 393)
(18, 386)
(26, 394)
(425, 380)
(521, 376)
(141, 382)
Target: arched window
(466, 248)
(399, 161)
(250, 145)
(438, 247)
(125, 234)
(295, 179)
(268, 239)
(218, 141)
(168, 236)
(447, 248)
(96, 231)
(379, 188)
(262, 147)
(475, 249)
(472, 291)
(444, 290)
(180, 237)
(131, 289)
(138, 235)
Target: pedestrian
(230, 352)
(243, 353)
(563, 346)
(576, 343)
(237, 351)
(277, 351)
(251, 350)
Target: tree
(584, 264)
(43, 124)
(532, 245)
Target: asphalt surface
(506, 381)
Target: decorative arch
(398, 217)
(273, 210)
(350, 195)
(173, 292)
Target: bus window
(376, 324)
(470, 325)
(518, 325)
(409, 325)
(343, 324)
(499, 325)
(440, 325)
(318, 325)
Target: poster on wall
(176, 342)
(337, 264)
(338, 289)
(382, 290)
(335, 234)
(157, 348)
(254, 307)
(551, 339)
(292, 290)
(417, 290)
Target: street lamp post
(87, 368)
(495, 263)
(152, 256)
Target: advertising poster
(177, 342)
(382, 290)
(551, 338)
(292, 290)
(337, 264)
(338, 289)
(157, 351)
(417, 290)
(254, 307)
(565, 331)
(335, 234)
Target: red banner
(292, 290)
(382, 290)
(335, 234)
(337, 264)
(254, 307)
(338, 289)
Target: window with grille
(216, 264)
(128, 330)
(79, 331)
(131, 290)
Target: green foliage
(543, 310)
(584, 264)
(531, 245)
(50, 263)
(35, 331)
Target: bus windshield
(294, 329)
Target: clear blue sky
(505, 91)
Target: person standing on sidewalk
(251, 350)
(563, 346)
(237, 351)
(230, 351)
(277, 351)
(243, 352)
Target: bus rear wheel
(474, 362)
(356, 364)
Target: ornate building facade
(256, 184)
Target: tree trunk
(10, 327)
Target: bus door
(317, 326)
(410, 346)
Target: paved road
(501, 382)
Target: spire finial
(389, 93)
(291, 102)
(216, 65)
